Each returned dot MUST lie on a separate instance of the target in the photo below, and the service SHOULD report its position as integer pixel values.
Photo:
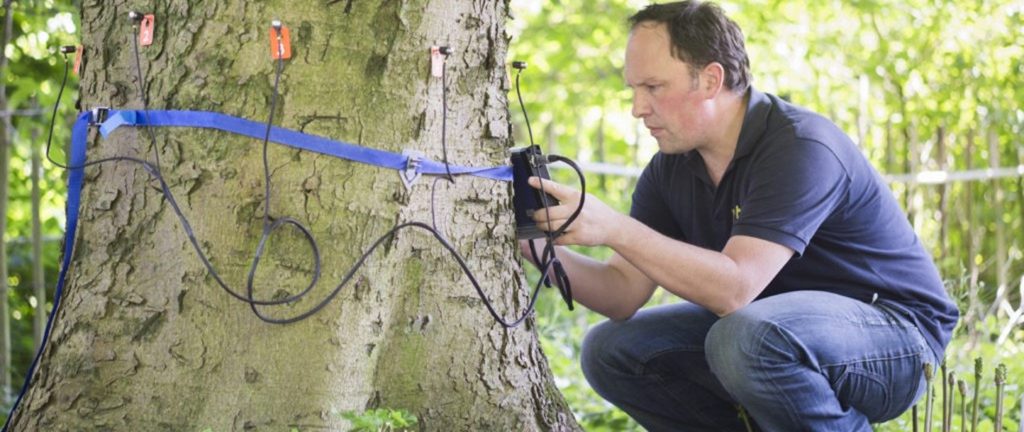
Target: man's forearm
(598, 285)
(720, 281)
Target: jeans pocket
(862, 390)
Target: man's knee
(598, 353)
(741, 342)
(666, 339)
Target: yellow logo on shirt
(736, 213)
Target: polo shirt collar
(755, 122)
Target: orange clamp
(146, 30)
(280, 43)
(78, 59)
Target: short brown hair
(701, 33)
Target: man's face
(666, 93)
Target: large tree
(145, 339)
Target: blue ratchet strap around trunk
(79, 139)
(299, 140)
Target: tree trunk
(145, 339)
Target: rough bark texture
(145, 340)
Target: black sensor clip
(529, 162)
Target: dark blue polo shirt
(797, 180)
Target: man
(810, 302)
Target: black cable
(433, 229)
(154, 170)
(549, 258)
(560, 274)
(53, 117)
(271, 224)
(165, 189)
(348, 276)
(519, 95)
(522, 106)
(458, 258)
(433, 210)
(444, 117)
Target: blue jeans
(800, 361)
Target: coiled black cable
(271, 224)
(155, 172)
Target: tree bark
(144, 338)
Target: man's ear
(712, 78)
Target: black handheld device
(528, 162)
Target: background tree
(29, 80)
(145, 339)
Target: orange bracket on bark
(146, 30)
(280, 41)
(78, 59)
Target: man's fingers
(550, 225)
(566, 239)
(557, 190)
(553, 212)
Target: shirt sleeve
(791, 193)
(649, 205)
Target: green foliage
(381, 420)
(31, 81)
(561, 333)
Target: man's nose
(640, 106)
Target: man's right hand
(595, 226)
(614, 288)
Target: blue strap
(211, 120)
(299, 140)
(79, 138)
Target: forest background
(932, 91)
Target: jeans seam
(654, 376)
(870, 359)
(642, 362)
(648, 359)
(791, 407)
(923, 343)
(922, 350)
